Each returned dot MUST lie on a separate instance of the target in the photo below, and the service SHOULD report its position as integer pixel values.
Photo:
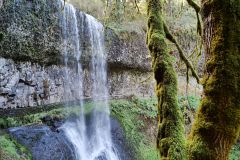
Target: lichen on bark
(170, 139)
(217, 123)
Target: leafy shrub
(190, 102)
(149, 152)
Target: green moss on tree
(170, 139)
(217, 124)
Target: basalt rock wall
(32, 59)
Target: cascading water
(102, 144)
(92, 141)
(75, 131)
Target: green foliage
(235, 152)
(191, 102)
(147, 107)
(8, 122)
(135, 116)
(124, 11)
(149, 152)
(126, 112)
(11, 150)
(8, 147)
(126, 30)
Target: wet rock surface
(27, 85)
(125, 152)
(31, 47)
(44, 143)
(33, 31)
(50, 143)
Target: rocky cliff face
(32, 31)
(26, 84)
(32, 65)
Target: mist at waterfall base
(91, 138)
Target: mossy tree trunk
(217, 124)
(170, 140)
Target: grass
(149, 152)
(11, 150)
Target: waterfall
(91, 141)
(75, 131)
(102, 131)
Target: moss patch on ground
(11, 150)
(138, 118)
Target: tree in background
(121, 10)
(217, 125)
(109, 10)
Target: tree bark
(217, 124)
(170, 140)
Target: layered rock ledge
(32, 62)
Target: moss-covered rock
(127, 50)
(32, 31)
(11, 150)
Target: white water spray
(91, 142)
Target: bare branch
(197, 8)
(136, 5)
(171, 38)
(194, 5)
